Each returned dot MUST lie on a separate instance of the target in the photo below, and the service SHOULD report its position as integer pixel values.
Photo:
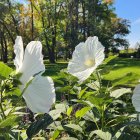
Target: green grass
(53, 69)
(125, 71)
(122, 71)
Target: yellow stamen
(89, 62)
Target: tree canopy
(60, 25)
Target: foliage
(10, 103)
(98, 108)
(60, 25)
(93, 109)
(90, 110)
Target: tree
(61, 24)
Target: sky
(130, 9)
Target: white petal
(84, 74)
(33, 61)
(19, 51)
(40, 94)
(95, 49)
(76, 64)
(136, 98)
(100, 55)
(91, 44)
(90, 51)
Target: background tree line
(60, 25)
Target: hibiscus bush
(77, 105)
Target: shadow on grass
(124, 62)
(129, 80)
(54, 69)
(125, 71)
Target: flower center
(90, 62)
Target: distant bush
(115, 50)
(129, 55)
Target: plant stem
(102, 119)
(96, 124)
(1, 107)
(99, 79)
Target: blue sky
(130, 9)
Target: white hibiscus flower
(86, 57)
(136, 98)
(40, 94)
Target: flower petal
(84, 74)
(136, 98)
(95, 49)
(19, 51)
(76, 64)
(33, 61)
(40, 94)
(84, 56)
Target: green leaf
(116, 120)
(68, 138)
(74, 127)
(119, 132)
(99, 101)
(56, 134)
(84, 102)
(94, 85)
(35, 127)
(90, 116)
(9, 121)
(15, 135)
(61, 106)
(82, 92)
(91, 93)
(101, 134)
(60, 82)
(119, 92)
(4, 70)
(69, 110)
(56, 126)
(80, 113)
(64, 89)
(39, 138)
(55, 114)
(15, 91)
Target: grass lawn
(123, 71)
(53, 69)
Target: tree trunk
(51, 57)
(84, 20)
(50, 50)
(8, 31)
(5, 56)
(32, 21)
(52, 54)
(13, 18)
(2, 45)
(3, 48)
